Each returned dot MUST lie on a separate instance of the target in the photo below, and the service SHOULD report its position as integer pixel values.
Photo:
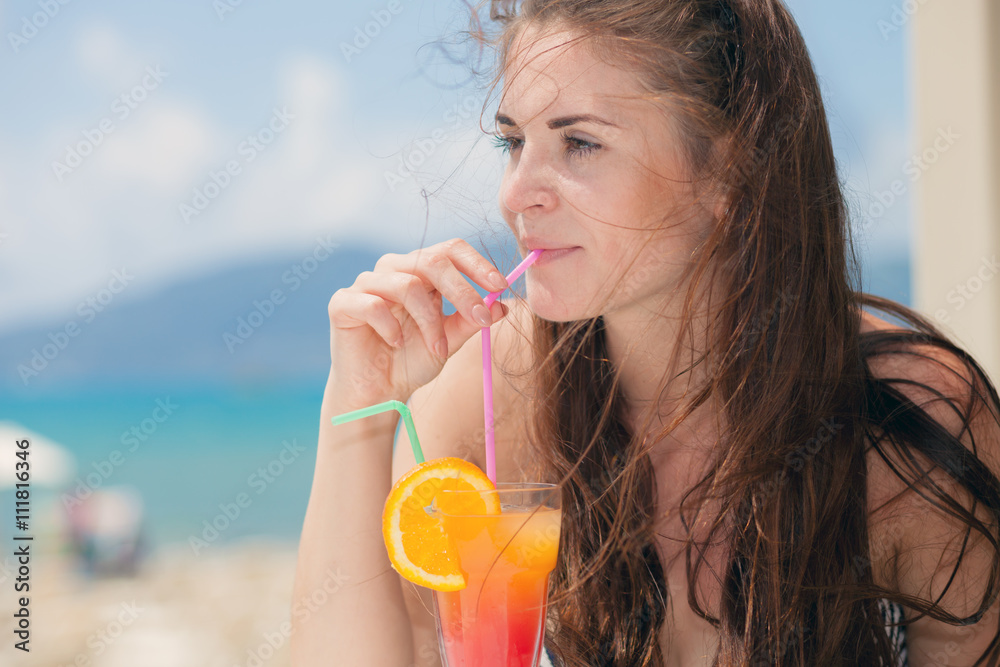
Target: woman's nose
(527, 182)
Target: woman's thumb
(462, 329)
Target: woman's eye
(574, 145)
(505, 144)
(578, 146)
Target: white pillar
(956, 95)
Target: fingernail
(442, 348)
(481, 315)
(498, 281)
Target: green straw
(399, 407)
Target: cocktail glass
(498, 619)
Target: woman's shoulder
(931, 377)
(933, 374)
(913, 355)
(913, 535)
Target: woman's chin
(550, 308)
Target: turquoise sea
(214, 444)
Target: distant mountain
(228, 328)
(259, 322)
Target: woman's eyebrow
(556, 123)
(505, 120)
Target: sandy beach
(229, 606)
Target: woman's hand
(388, 331)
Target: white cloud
(301, 184)
(120, 207)
(158, 150)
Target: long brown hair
(786, 359)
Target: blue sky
(200, 83)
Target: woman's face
(595, 169)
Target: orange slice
(415, 539)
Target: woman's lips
(552, 255)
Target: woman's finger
(350, 309)
(411, 292)
(479, 269)
(440, 266)
(439, 269)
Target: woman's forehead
(555, 72)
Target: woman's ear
(717, 199)
(721, 206)
(721, 194)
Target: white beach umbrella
(49, 464)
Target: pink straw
(491, 455)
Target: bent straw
(399, 407)
(514, 275)
(491, 456)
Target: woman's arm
(388, 337)
(347, 604)
(931, 540)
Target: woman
(755, 470)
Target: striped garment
(892, 613)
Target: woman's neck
(642, 340)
